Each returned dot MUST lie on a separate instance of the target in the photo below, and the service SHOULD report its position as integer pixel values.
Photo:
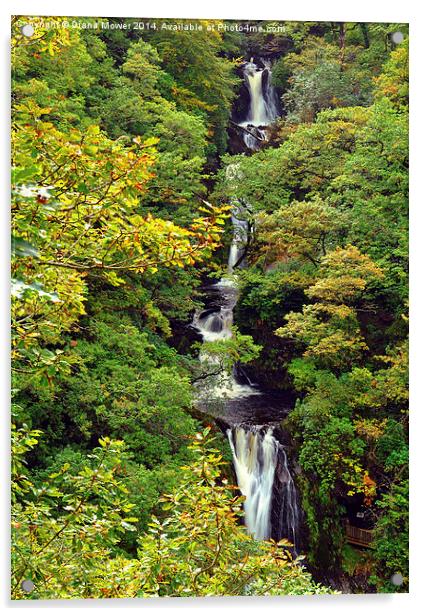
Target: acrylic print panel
(209, 308)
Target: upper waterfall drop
(258, 112)
(263, 108)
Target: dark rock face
(242, 104)
(184, 336)
(236, 143)
(270, 50)
(265, 76)
(285, 470)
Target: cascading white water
(213, 326)
(261, 465)
(240, 223)
(217, 324)
(258, 112)
(255, 459)
(240, 236)
(263, 108)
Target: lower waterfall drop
(255, 459)
(260, 461)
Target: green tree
(204, 80)
(329, 328)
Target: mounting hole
(397, 37)
(27, 585)
(27, 30)
(397, 579)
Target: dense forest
(132, 169)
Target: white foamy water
(255, 459)
(263, 108)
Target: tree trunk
(365, 34)
(342, 43)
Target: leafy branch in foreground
(63, 528)
(76, 213)
(66, 535)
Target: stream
(249, 416)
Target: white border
(305, 10)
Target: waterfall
(240, 224)
(255, 458)
(258, 113)
(261, 466)
(263, 104)
(260, 461)
(216, 325)
(240, 235)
